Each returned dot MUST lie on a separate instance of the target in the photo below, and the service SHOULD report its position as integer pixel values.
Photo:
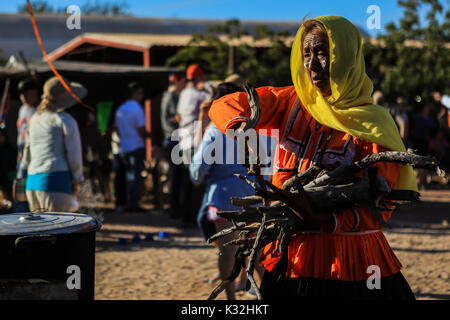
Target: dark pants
(176, 180)
(176, 186)
(120, 187)
(134, 164)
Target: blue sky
(292, 10)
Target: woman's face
(316, 58)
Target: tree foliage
(412, 59)
(269, 66)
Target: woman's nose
(315, 64)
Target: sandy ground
(178, 267)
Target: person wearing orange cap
(188, 109)
(340, 253)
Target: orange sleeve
(360, 218)
(234, 108)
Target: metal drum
(47, 256)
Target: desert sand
(179, 266)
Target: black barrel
(47, 256)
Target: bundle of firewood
(269, 215)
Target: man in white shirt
(130, 125)
(188, 109)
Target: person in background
(169, 123)
(423, 129)
(439, 147)
(444, 114)
(104, 115)
(169, 116)
(29, 96)
(7, 170)
(118, 167)
(398, 112)
(130, 124)
(401, 118)
(53, 153)
(221, 184)
(188, 109)
(96, 148)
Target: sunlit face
(316, 58)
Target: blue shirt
(221, 184)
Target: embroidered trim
(237, 118)
(335, 223)
(291, 146)
(356, 215)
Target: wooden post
(148, 110)
(231, 58)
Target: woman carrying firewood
(341, 253)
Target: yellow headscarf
(349, 108)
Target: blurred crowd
(426, 129)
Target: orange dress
(355, 242)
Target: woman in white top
(53, 153)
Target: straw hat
(236, 79)
(58, 97)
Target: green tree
(259, 66)
(411, 59)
